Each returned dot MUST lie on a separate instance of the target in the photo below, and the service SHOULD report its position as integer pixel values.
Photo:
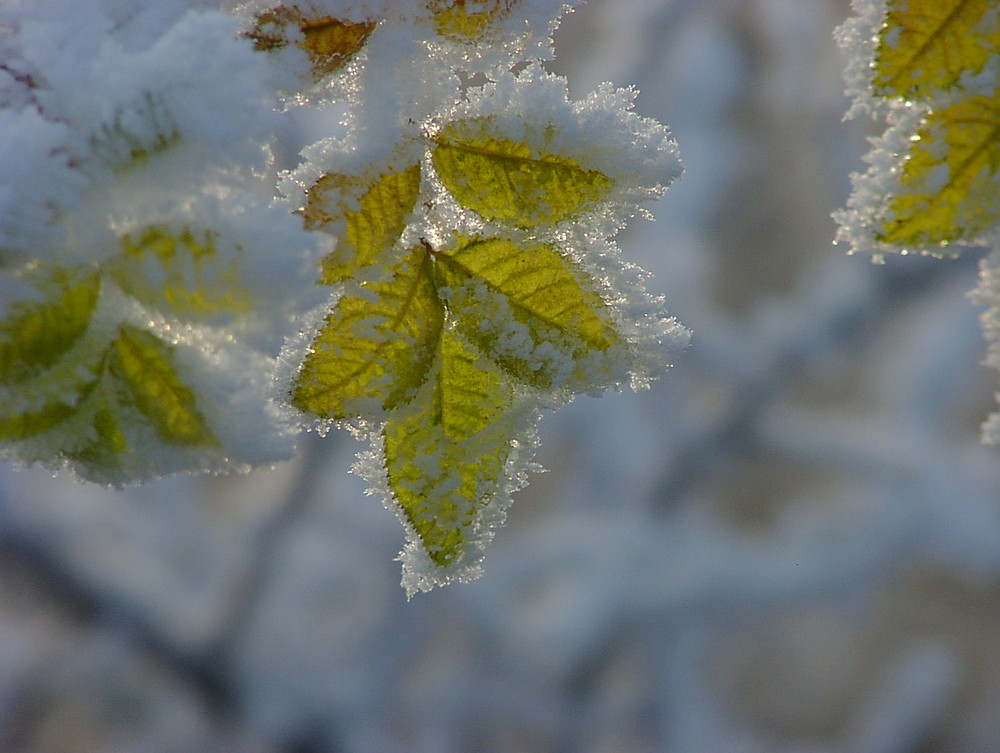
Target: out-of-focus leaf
(17, 426)
(106, 449)
(926, 45)
(329, 42)
(466, 21)
(511, 181)
(368, 230)
(181, 272)
(949, 187)
(35, 335)
(145, 365)
(376, 345)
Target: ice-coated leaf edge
(420, 572)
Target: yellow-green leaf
(445, 451)
(464, 20)
(371, 227)
(329, 42)
(182, 272)
(511, 181)
(145, 365)
(35, 335)
(376, 345)
(949, 188)
(23, 425)
(109, 445)
(546, 292)
(926, 45)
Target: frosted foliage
(461, 109)
(787, 544)
(929, 73)
(133, 140)
(432, 270)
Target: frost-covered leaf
(106, 450)
(369, 229)
(22, 425)
(375, 346)
(329, 42)
(933, 181)
(545, 294)
(476, 284)
(465, 208)
(146, 366)
(467, 20)
(949, 189)
(35, 335)
(925, 46)
(512, 181)
(445, 451)
(180, 272)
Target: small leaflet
(35, 335)
(465, 21)
(370, 229)
(181, 272)
(544, 293)
(18, 426)
(145, 365)
(329, 42)
(510, 181)
(374, 347)
(445, 452)
(925, 46)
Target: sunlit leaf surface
(544, 292)
(375, 346)
(445, 451)
(949, 185)
(926, 45)
(369, 229)
(510, 181)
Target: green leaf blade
(375, 347)
(542, 292)
(36, 335)
(925, 46)
(145, 366)
(509, 181)
(371, 227)
(949, 187)
(446, 450)
(20, 426)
